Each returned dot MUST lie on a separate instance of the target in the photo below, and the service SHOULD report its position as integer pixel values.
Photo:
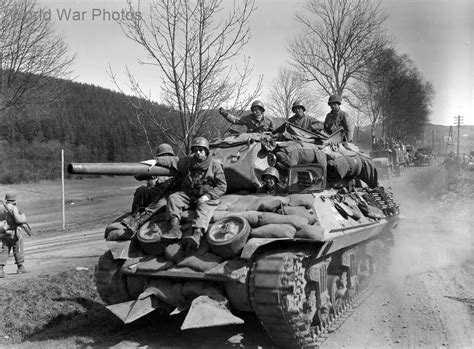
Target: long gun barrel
(117, 168)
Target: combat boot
(192, 241)
(174, 233)
(2, 273)
(21, 269)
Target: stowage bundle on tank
(298, 254)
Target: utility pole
(450, 139)
(458, 120)
(432, 141)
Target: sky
(436, 35)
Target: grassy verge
(52, 306)
(62, 310)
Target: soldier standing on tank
(302, 120)
(338, 118)
(271, 182)
(203, 182)
(255, 122)
(11, 234)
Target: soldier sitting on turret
(338, 118)
(203, 182)
(304, 121)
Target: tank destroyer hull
(298, 260)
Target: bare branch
(30, 54)
(194, 48)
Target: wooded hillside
(90, 123)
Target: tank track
(277, 294)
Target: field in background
(89, 202)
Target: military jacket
(253, 125)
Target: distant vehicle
(382, 160)
(423, 156)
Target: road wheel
(110, 282)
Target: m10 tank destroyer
(299, 259)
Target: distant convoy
(390, 157)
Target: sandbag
(246, 203)
(251, 216)
(201, 263)
(275, 218)
(306, 200)
(313, 232)
(227, 201)
(123, 233)
(274, 231)
(300, 211)
(269, 205)
(113, 226)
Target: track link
(277, 293)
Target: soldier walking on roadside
(12, 229)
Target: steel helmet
(271, 171)
(10, 196)
(257, 104)
(164, 149)
(334, 99)
(200, 142)
(297, 104)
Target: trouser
(180, 201)
(143, 197)
(15, 244)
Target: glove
(223, 112)
(203, 199)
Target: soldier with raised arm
(255, 121)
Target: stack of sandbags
(289, 216)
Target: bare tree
(30, 53)
(339, 39)
(287, 87)
(194, 48)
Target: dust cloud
(433, 233)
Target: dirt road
(426, 298)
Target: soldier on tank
(155, 185)
(338, 118)
(150, 198)
(271, 182)
(203, 182)
(255, 122)
(11, 232)
(302, 120)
